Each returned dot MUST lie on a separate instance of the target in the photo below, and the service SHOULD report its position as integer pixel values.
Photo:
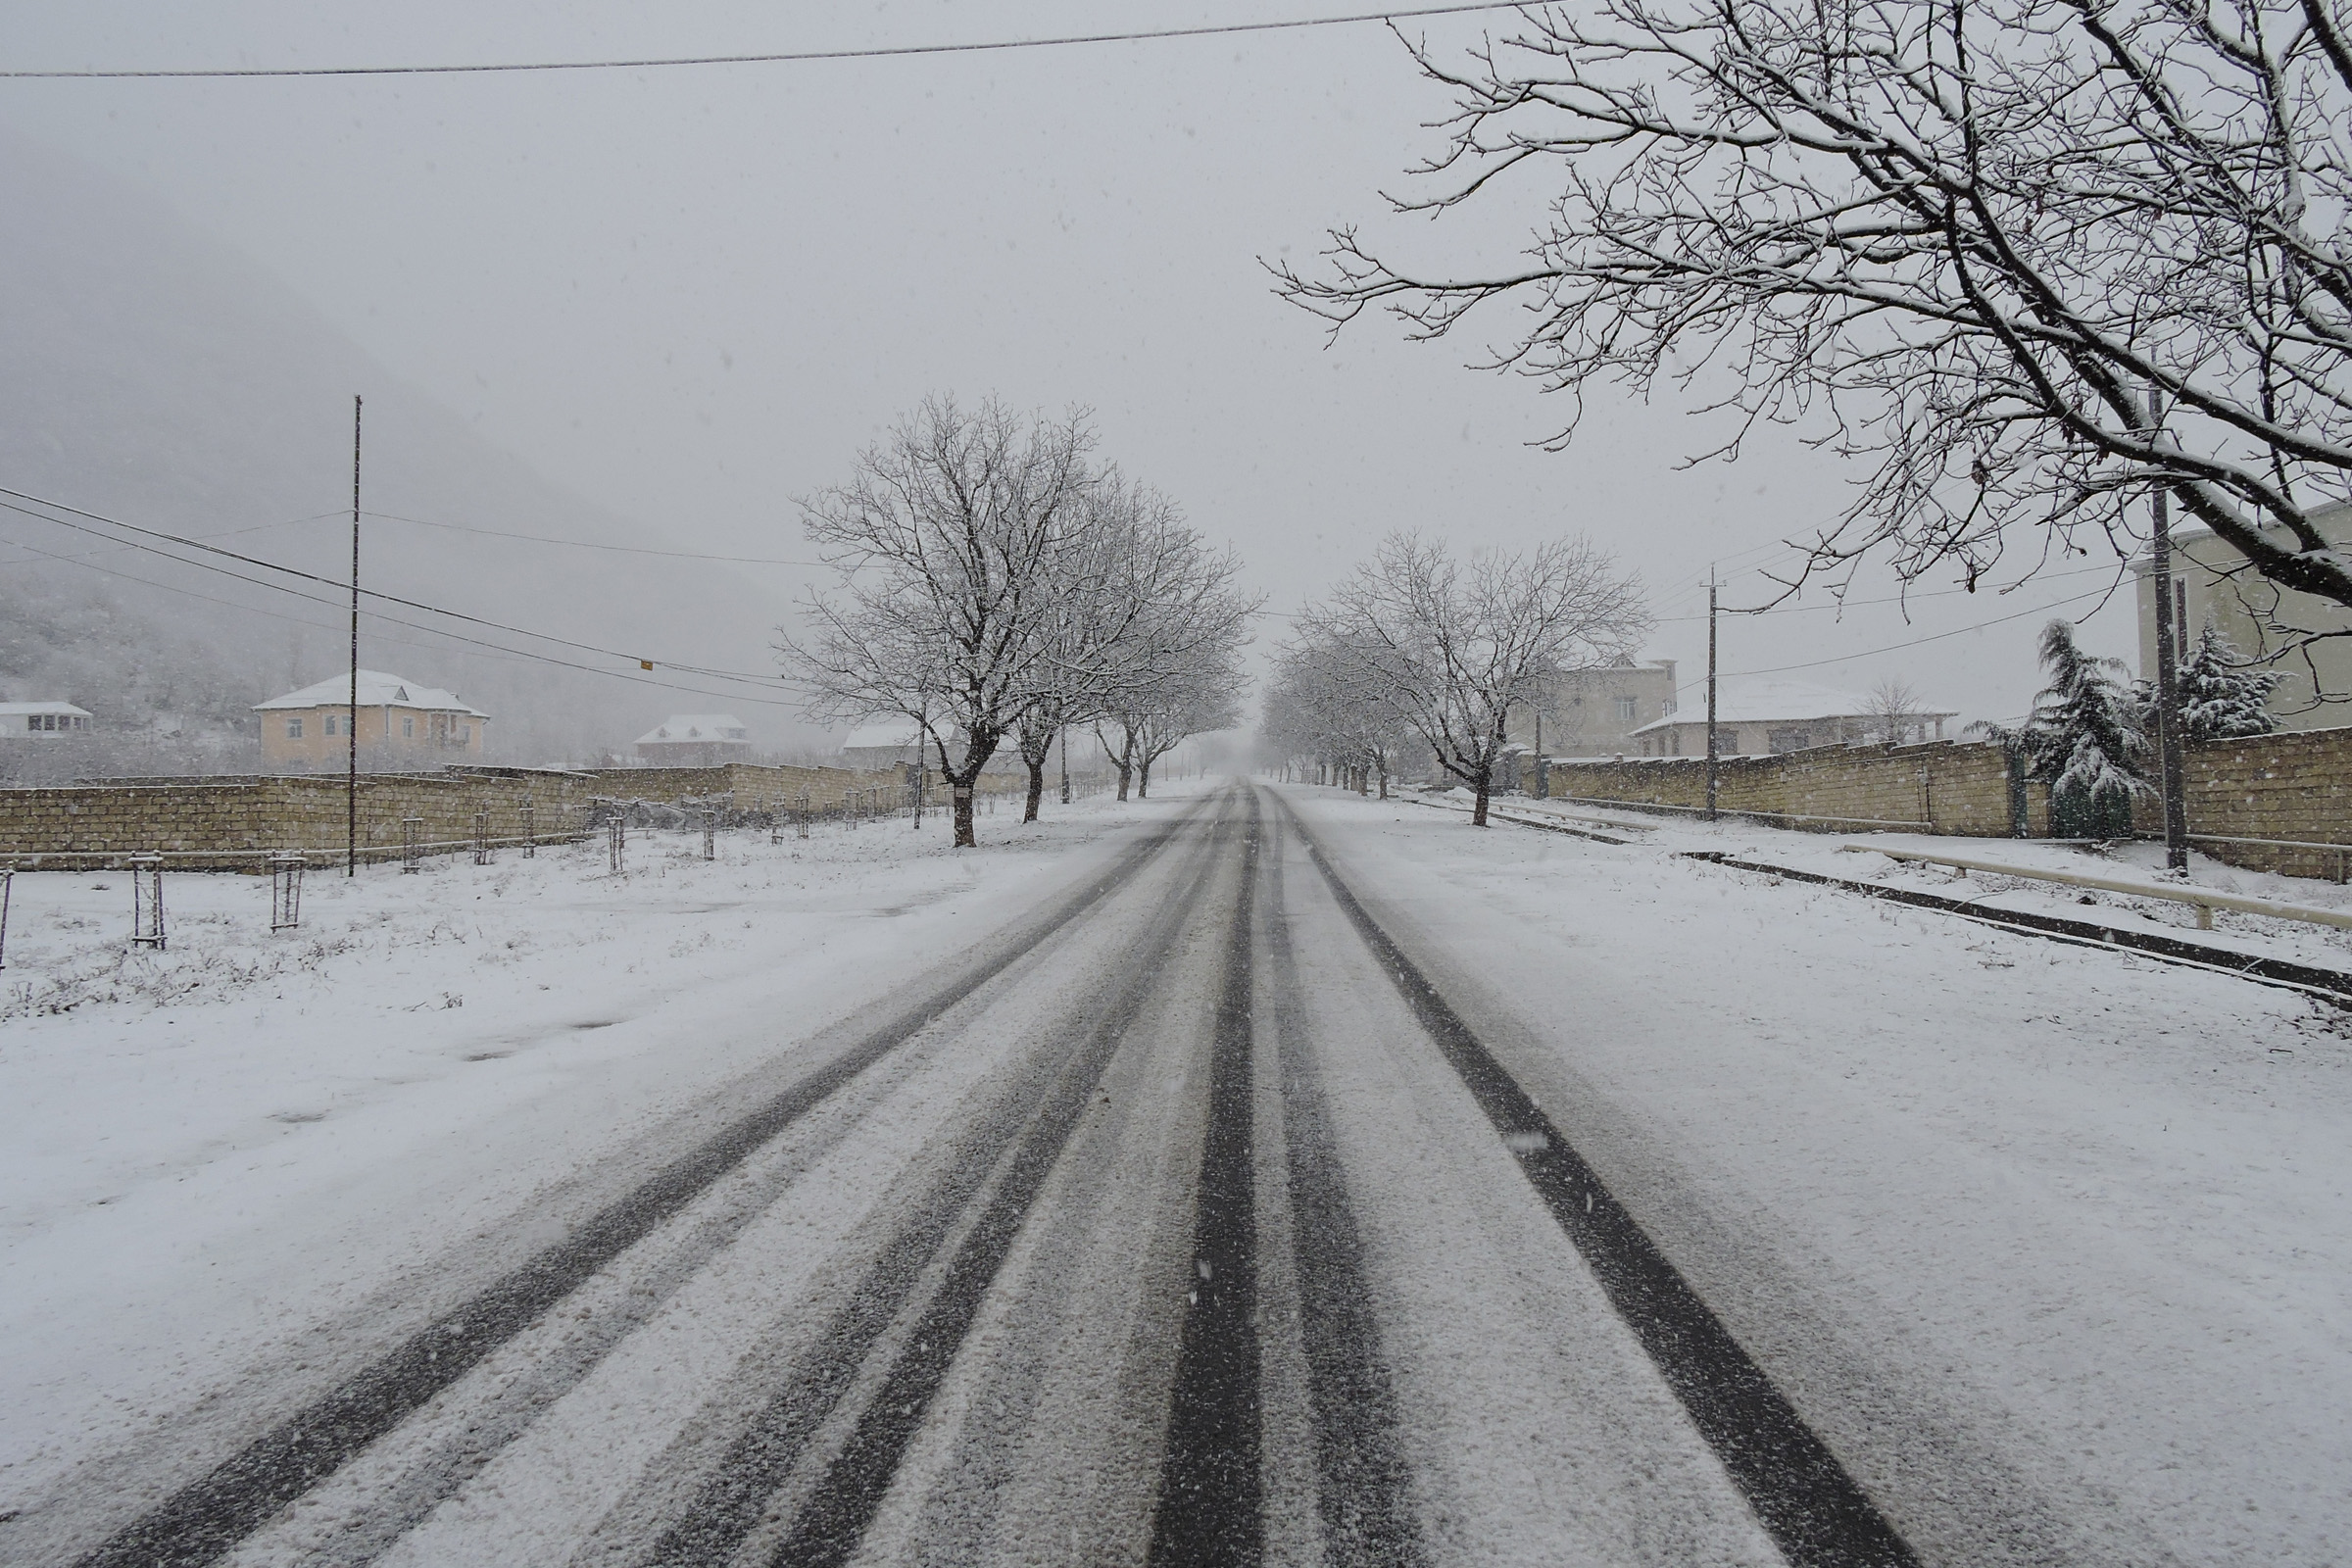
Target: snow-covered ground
(206, 1148)
(2055, 1243)
(2049, 1244)
(2141, 860)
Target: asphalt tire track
(1211, 1494)
(1363, 1482)
(1003, 1172)
(204, 1519)
(1812, 1508)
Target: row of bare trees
(995, 586)
(1418, 647)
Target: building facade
(1765, 718)
(696, 740)
(1594, 712)
(401, 723)
(2211, 581)
(43, 721)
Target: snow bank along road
(1300, 1184)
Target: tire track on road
(1363, 1484)
(1813, 1509)
(1002, 1171)
(203, 1520)
(1211, 1499)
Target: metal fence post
(412, 844)
(147, 902)
(710, 832)
(531, 830)
(801, 816)
(285, 888)
(8, 874)
(482, 838)
(617, 834)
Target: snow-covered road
(1269, 1175)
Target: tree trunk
(963, 818)
(1143, 779)
(1036, 788)
(1485, 785)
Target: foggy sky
(690, 295)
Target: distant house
(1758, 718)
(696, 740)
(43, 721)
(401, 720)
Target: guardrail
(2204, 899)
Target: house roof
(16, 709)
(698, 729)
(895, 735)
(1777, 701)
(376, 690)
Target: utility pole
(1543, 763)
(1065, 764)
(1711, 757)
(351, 713)
(2168, 681)
(922, 728)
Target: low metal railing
(2204, 899)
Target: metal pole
(351, 714)
(1542, 764)
(1711, 754)
(2168, 685)
(1065, 764)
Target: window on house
(1629, 708)
(294, 729)
(407, 726)
(334, 724)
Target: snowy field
(204, 1148)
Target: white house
(1758, 717)
(696, 740)
(43, 721)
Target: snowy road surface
(1280, 1178)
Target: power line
(1872, 653)
(226, 534)
(496, 650)
(330, 582)
(886, 52)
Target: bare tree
(1892, 712)
(1451, 647)
(1966, 238)
(1323, 706)
(945, 543)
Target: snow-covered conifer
(2221, 697)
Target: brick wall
(1940, 787)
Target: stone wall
(236, 823)
(1940, 787)
(2294, 787)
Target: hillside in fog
(153, 374)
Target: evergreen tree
(2221, 698)
(2086, 740)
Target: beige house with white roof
(400, 721)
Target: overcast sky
(691, 294)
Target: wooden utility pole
(351, 713)
(2168, 681)
(1711, 754)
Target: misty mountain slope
(152, 374)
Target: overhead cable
(783, 57)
